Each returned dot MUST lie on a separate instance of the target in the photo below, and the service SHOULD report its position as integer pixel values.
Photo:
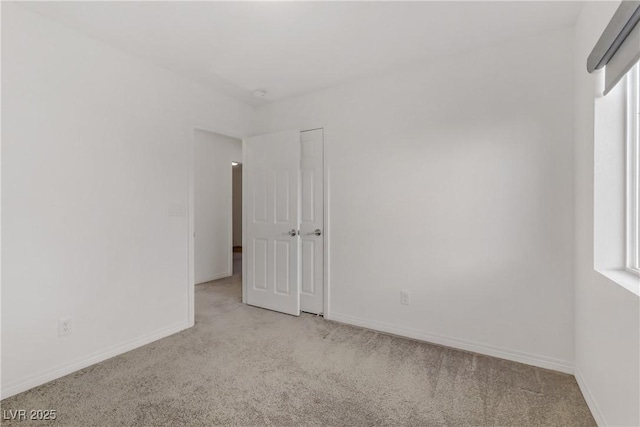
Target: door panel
(282, 197)
(307, 205)
(260, 264)
(271, 168)
(282, 255)
(307, 260)
(312, 218)
(260, 196)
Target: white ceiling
(289, 48)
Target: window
(616, 148)
(616, 188)
(633, 170)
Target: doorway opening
(213, 204)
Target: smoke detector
(259, 93)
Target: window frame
(633, 172)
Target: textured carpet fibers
(242, 365)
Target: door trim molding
(244, 222)
(327, 224)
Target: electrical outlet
(64, 326)
(404, 297)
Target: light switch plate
(177, 209)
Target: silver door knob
(293, 232)
(316, 232)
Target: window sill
(628, 280)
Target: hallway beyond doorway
(237, 260)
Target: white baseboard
(215, 277)
(516, 356)
(32, 381)
(588, 397)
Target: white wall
(237, 205)
(454, 180)
(607, 316)
(213, 204)
(96, 147)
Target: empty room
(320, 213)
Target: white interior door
(312, 222)
(271, 205)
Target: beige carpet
(241, 365)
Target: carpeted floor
(241, 365)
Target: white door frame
(191, 244)
(326, 234)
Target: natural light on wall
(617, 148)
